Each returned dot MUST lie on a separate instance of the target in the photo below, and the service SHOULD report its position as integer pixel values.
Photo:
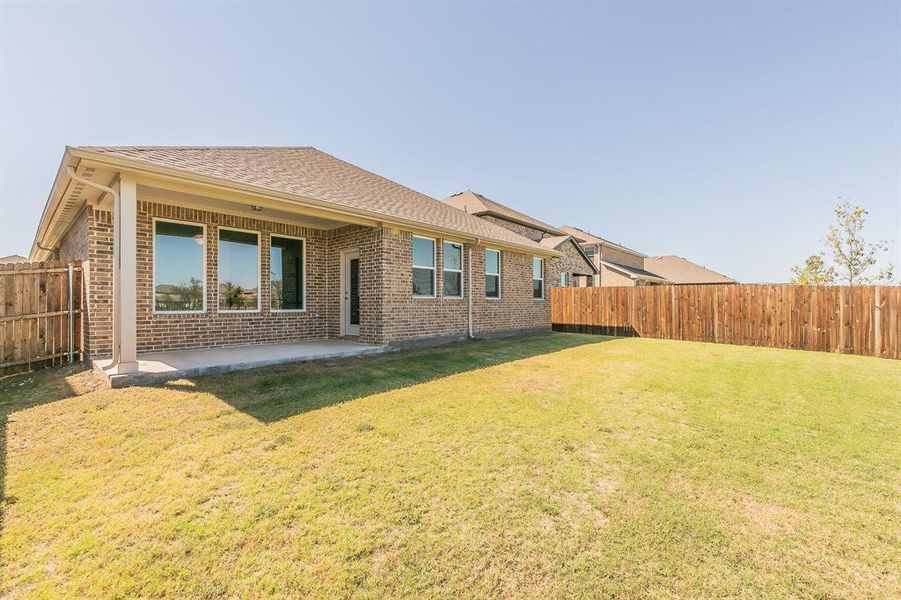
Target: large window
(286, 274)
(453, 270)
(178, 267)
(423, 266)
(492, 274)
(538, 278)
(239, 270)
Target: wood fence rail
(40, 315)
(851, 320)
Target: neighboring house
(617, 265)
(12, 258)
(220, 246)
(572, 269)
(680, 271)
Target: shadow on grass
(274, 393)
(27, 390)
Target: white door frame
(346, 327)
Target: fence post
(877, 323)
(71, 317)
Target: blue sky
(719, 132)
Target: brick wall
(571, 262)
(212, 328)
(389, 312)
(90, 238)
(368, 242)
(409, 318)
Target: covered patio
(157, 367)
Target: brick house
(204, 247)
(616, 264)
(573, 268)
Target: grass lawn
(556, 465)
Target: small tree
(852, 257)
(814, 271)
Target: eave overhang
(61, 208)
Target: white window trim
(434, 265)
(259, 307)
(499, 274)
(303, 275)
(541, 279)
(203, 251)
(460, 271)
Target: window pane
(239, 270)
(354, 291)
(536, 288)
(492, 261)
(564, 280)
(453, 257)
(589, 252)
(537, 268)
(178, 267)
(423, 252)
(453, 283)
(286, 274)
(492, 286)
(423, 282)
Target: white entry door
(350, 294)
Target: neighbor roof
(310, 174)
(12, 258)
(681, 270)
(634, 272)
(588, 238)
(477, 204)
(554, 243)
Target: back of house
(199, 247)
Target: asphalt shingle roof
(311, 173)
(477, 204)
(632, 271)
(681, 270)
(589, 238)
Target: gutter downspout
(117, 230)
(469, 262)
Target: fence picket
(34, 314)
(853, 320)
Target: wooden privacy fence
(852, 320)
(40, 315)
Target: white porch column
(125, 276)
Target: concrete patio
(164, 366)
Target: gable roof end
(586, 238)
(479, 205)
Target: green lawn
(557, 465)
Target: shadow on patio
(274, 393)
